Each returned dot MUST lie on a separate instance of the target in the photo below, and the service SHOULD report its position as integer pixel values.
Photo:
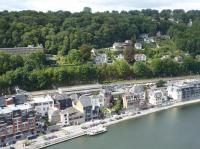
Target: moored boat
(96, 131)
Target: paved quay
(72, 132)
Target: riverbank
(153, 110)
(68, 133)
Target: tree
(161, 83)
(141, 69)
(87, 10)
(74, 56)
(129, 55)
(85, 51)
(122, 69)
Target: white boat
(96, 131)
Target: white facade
(71, 116)
(140, 57)
(97, 100)
(174, 92)
(185, 90)
(102, 58)
(138, 90)
(42, 104)
(117, 46)
(156, 97)
(54, 116)
(138, 46)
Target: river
(177, 128)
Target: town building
(16, 122)
(130, 102)
(54, 116)
(42, 104)
(71, 116)
(138, 91)
(140, 57)
(156, 97)
(185, 90)
(98, 100)
(61, 101)
(85, 105)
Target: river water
(177, 128)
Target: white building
(156, 97)
(42, 104)
(102, 58)
(93, 52)
(138, 90)
(138, 46)
(130, 102)
(178, 59)
(140, 57)
(54, 116)
(71, 116)
(185, 90)
(120, 57)
(117, 46)
(97, 100)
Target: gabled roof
(85, 101)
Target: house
(61, 101)
(98, 100)
(158, 34)
(102, 58)
(127, 44)
(71, 116)
(190, 23)
(93, 52)
(151, 39)
(140, 57)
(144, 36)
(130, 102)
(117, 46)
(197, 57)
(138, 90)
(54, 116)
(184, 90)
(178, 59)
(147, 40)
(108, 98)
(120, 57)
(17, 122)
(42, 104)
(165, 57)
(156, 97)
(85, 105)
(138, 46)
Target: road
(84, 88)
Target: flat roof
(41, 99)
(11, 108)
